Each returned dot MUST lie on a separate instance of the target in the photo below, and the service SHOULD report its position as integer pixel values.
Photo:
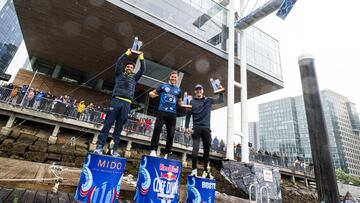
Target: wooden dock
(33, 196)
(18, 169)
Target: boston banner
(100, 179)
(158, 180)
(200, 190)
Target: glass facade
(207, 21)
(253, 135)
(278, 129)
(10, 34)
(263, 52)
(284, 120)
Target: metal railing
(90, 115)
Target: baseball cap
(198, 86)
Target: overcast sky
(330, 31)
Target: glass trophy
(135, 49)
(216, 86)
(186, 100)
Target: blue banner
(158, 180)
(200, 190)
(100, 179)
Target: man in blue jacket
(200, 112)
(122, 96)
(170, 97)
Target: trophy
(135, 49)
(216, 86)
(186, 100)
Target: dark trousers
(205, 135)
(118, 112)
(169, 119)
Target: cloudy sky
(330, 31)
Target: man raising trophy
(122, 96)
(170, 96)
(200, 112)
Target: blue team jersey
(169, 95)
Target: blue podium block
(158, 180)
(100, 179)
(200, 190)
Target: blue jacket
(200, 111)
(39, 96)
(125, 84)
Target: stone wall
(31, 144)
(242, 175)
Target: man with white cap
(200, 111)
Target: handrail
(267, 194)
(252, 185)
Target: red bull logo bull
(158, 180)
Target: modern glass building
(10, 33)
(77, 41)
(253, 135)
(278, 128)
(341, 119)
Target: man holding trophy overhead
(170, 97)
(122, 96)
(200, 112)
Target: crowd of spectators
(40, 100)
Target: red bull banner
(100, 179)
(158, 180)
(200, 190)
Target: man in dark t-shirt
(170, 96)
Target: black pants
(169, 119)
(205, 135)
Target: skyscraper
(253, 135)
(10, 34)
(283, 125)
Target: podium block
(200, 190)
(100, 179)
(158, 180)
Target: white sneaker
(204, 175)
(98, 151)
(153, 153)
(166, 156)
(193, 172)
(115, 154)
(207, 174)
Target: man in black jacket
(200, 111)
(123, 94)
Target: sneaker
(115, 154)
(153, 153)
(166, 156)
(193, 172)
(207, 173)
(98, 151)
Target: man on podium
(200, 112)
(122, 96)
(170, 96)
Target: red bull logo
(171, 168)
(168, 176)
